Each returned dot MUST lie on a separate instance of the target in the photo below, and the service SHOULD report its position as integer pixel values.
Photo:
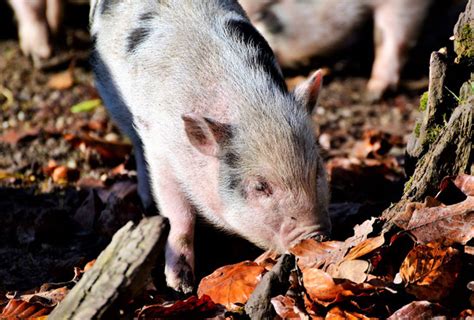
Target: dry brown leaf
(35, 305)
(433, 221)
(233, 284)
(337, 313)
(89, 265)
(286, 308)
(419, 310)
(322, 288)
(16, 135)
(365, 247)
(403, 219)
(315, 254)
(63, 174)
(62, 80)
(450, 224)
(19, 309)
(375, 143)
(354, 270)
(107, 149)
(191, 308)
(47, 298)
(430, 271)
(465, 183)
(268, 259)
(118, 170)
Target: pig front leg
(33, 28)
(397, 24)
(173, 204)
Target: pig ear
(205, 134)
(308, 91)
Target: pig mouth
(298, 235)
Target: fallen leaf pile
(39, 304)
(422, 270)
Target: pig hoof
(373, 95)
(377, 89)
(180, 277)
(34, 42)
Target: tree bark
(441, 143)
(120, 272)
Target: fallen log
(120, 272)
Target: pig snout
(291, 234)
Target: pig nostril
(320, 237)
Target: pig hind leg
(54, 15)
(396, 24)
(33, 28)
(173, 204)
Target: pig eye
(263, 187)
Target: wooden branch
(119, 273)
(273, 283)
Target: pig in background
(300, 30)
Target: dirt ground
(42, 234)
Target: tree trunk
(441, 143)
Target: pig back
(168, 58)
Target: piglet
(215, 130)
(298, 30)
(38, 20)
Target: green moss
(423, 101)
(433, 133)
(464, 43)
(417, 129)
(408, 185)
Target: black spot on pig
(107, 6)
(148, 16)
(231, 159)
(139, 34)
(243, 31)
(137, 37)
(234, 181)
